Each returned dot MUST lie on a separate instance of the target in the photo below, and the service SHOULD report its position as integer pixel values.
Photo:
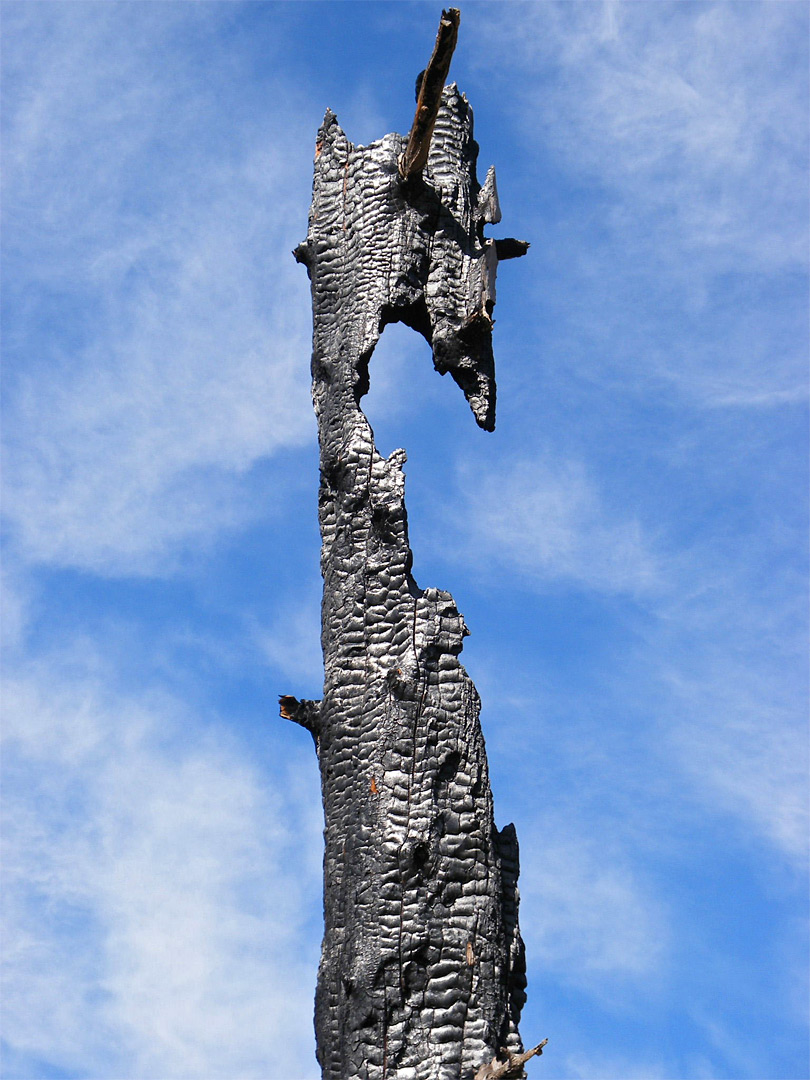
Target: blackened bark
(422, 972)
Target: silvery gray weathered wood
(422, 971)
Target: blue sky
(628, 548)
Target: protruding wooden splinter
(415, 156)
(507, 1065)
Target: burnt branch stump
(422, 972)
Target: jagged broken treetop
(411, 219)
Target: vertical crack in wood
(422, 971)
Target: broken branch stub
(422, 971)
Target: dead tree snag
(422, 972)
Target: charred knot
(509, 248)
(448, 767)
(449, 641)
(401, 685)
(414, 860)
(336, 474)
(420, 855)
(321, 370)
(384, 522)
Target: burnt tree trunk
(422, 972)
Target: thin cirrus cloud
(737, 730)
(548, 520)
(157, 894)
(588, 917)
(157, 900)
(704, 121)
(290, 641)
(610, 1067)
(713, 664)
(153, 249)
(687, 124)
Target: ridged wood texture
(422, 968)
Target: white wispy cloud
(737, 727)
(159, 888)
(549, 521)
(158, 248)
(291, 641)
(587, 915)
(694, 111)
(686, 125)
(714, 665)
(612, 1067)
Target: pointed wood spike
(432, 83)
(488, 205)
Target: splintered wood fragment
(415, 156)
(287, 705)
(488, 203)
(508, 1066)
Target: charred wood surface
(422, 972)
